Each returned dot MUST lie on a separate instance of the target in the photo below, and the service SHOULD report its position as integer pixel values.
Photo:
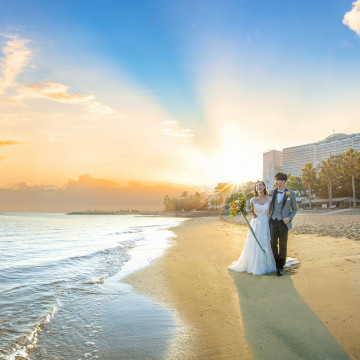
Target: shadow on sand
(278, 323)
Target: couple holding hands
(271, 222)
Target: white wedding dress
(252, 258)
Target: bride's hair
(265, 189)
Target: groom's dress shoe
(279, 272)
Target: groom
(283, 210)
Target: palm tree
(328, 175)
(351, 166)
(308, 177)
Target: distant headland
(114, 212)
(188, 214)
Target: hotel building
(292, 159)
(272, 163)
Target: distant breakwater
(100, 212)
(186, 214)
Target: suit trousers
(278, 240)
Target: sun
(225, 169)
(232, 162)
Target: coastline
(184, 214)
(190, 280)
(218, 312)
(62, 294)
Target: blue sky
(157, 41)
(205, 65)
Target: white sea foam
(21, 351)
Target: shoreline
(184, 214)
(194, 288)
(216, 321)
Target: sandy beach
(312, 312)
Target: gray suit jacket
(289, 205)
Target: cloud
(9, 142)
(89, 193)
(59, 92)
(15, 119)
(16, 57)
(56, 136)
(182, 133)
(352, 17)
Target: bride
(255, 259)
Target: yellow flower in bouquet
(238, 207)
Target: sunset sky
(191, 92)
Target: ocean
(61, 295)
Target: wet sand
(312, 312)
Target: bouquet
(238, 207)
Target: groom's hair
(280, 176)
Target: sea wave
(20, 349)
(49, 266)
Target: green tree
(183, 202)
(342, 182)
(249, 194)
(171, 204)
(167, 202)
(203, 204)
(176, 203)
(192, 203)
(234, 196)
(295, 183)
(308, 177)
(327, 176)
(197, 196)
(350, 162)
(184, 194)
